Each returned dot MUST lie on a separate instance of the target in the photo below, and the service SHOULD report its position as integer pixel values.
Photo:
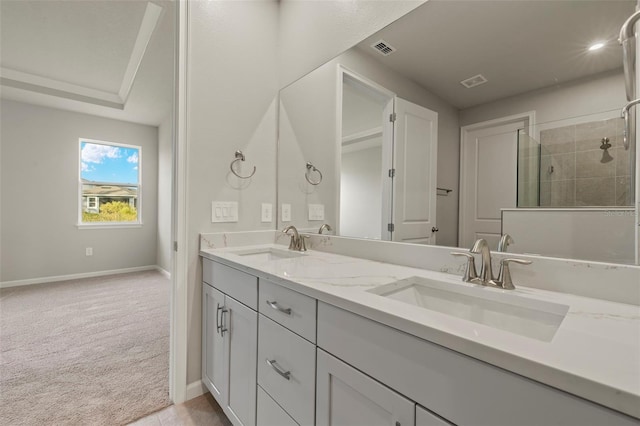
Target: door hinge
(175, 246)
(392, 173)
(392, 117)
(390, 227)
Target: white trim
(42, 280)
(108, 225)
(179, 303)
(195, 389)
(464, 130)
(163, 271)
(149, 22)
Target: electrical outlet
(224, 211)
(88, 251)
(267, 212)
(286, 212)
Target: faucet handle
(303, 245)
(470, 273)
(504, 275)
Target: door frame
(342, 73)
(178, 299)
(528, 116)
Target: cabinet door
(214, 372)
(241, 357)
(346, 397)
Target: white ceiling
(102, 57)
(518, 46)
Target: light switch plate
(316, 211)
(286, 212)
(267, 212)
(224, 211)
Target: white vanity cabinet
(230, 335)
(345, 396)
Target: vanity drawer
(295, 311)
(237, 284)
(287, 369)
(270, 413)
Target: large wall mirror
(466, 120)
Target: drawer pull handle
(279, 370)
(275, 306)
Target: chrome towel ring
(240, 157)
(311, 168)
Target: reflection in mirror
(510, 123)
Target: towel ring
(312, 168)
(240, 157)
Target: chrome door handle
(218, 326)
(275, 306)
(279, 370)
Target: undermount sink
(491, 307)
(268, 254)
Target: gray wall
(39, 177)
(163, 259)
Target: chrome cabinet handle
(279, 370)
(275, 306)
(220, 323)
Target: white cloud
(87, 168)
(93, 153)
(135, 168)
(133, 158)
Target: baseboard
(163, 272)
(31, 281)
(195, 389)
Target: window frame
(97, 225)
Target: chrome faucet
(323, 227)
(297, 241)
(505, 241)
(486, 272)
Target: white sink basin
(491, 307)
(269, 254)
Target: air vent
(474, 81)
(383, 47)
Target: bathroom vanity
(322, 338)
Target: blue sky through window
(109, 163)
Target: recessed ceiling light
(596, 46)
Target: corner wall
(39, 195)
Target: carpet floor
(85, 352)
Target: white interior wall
(232, 86)
(240, 54)
(165, 162)
(361, 193)
(307, 133)
(39, 236)
(604, 92)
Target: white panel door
(489, 181)
(415, 160)
(346, 397)
(214, 372)
(241, 353)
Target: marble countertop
(595, 353)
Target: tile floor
(203, 410)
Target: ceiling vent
(474, 81)
(383, 47)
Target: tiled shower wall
(574, 171)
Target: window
(110, 183)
